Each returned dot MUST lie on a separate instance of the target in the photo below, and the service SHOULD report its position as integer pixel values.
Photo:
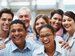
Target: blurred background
(38, 6)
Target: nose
(57, 21)
(16, 33)
(7, 22)
(45, 38)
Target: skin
(18, 34)
(68, 24)
(47, 38)
(56, 21)
(5, 21)
(39, 23)
(24, 15)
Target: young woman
(51, 45)
(39, 21)
(69, 24)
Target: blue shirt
(13, 50)
(71, 41)
(30, 29)
(58, 52)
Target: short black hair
(58, 11)
(18, 21)
(6, 10)
(47, 26)
(70, 14)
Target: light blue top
(6, 40)
(13, 50)
(30, 29)
(58, 52)
(71, 41)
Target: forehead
(66, 17)
(45, 30)
(57, 15)
(6, 15)
(23, 12)
(16, 26)
(40, 20)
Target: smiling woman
(69, 24)
(51, 46)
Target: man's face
(24, 15)
(17, 33)
(5, 21)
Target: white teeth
(46, 42)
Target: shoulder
(39, 51)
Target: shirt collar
(14, 47)
(6, 40)
(29, 29)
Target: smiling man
(18, 46)
(6, 17)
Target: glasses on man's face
(46, 35)
(21, 16)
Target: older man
(24, 13)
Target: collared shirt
(30, 29)
(6, 40)
(13, 50)
(71, 41)
(58, 52)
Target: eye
(9, 20)
(55, 18)
(63, 20)
(69, 20)
(20, 30)
(37, 24)
(60, 19)
(26, 16)
(3, 19)
(21, 16)
(42, 23)
(12, 30)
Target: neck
(3, 35)
(71, 33)
(21, 46)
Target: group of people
(49, 36)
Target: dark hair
(58, 11)
(6, 10)
(45, 17)
(18, 21)
(70, 14)
(47, 26)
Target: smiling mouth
(46, 42)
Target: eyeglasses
(46, 35)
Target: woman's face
(46, 37)
(39, 23)
(68, 23)
(56, 21)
